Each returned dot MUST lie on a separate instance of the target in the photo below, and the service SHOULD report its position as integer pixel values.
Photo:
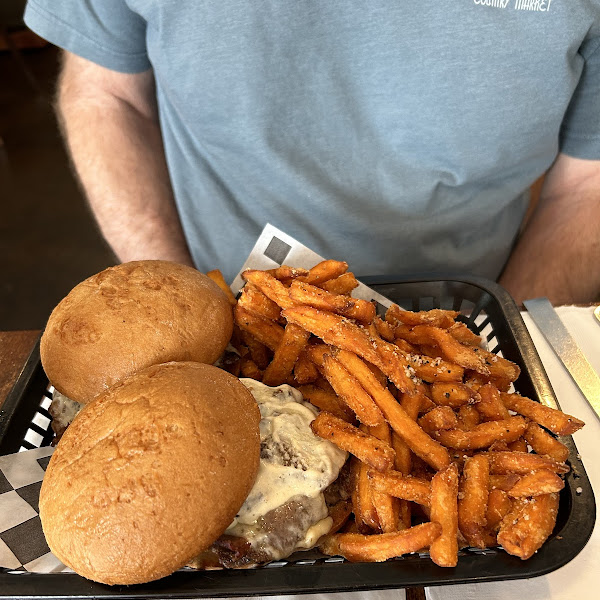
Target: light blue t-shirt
(399, 135)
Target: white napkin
(580, 578)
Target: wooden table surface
(15, 347)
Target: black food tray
(489, 311)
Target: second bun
(129, 317)
(151, 472)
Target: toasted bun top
(129, 317)
(151, 472)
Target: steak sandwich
(184, 464)
(151, 472)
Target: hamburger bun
(151, 472)
(129, 317)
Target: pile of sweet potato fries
(443, 454)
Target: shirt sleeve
(106, 32)
(580, 132)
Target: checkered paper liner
(22, 543)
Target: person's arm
(558, 253)
(110, 123)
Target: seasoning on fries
(443, 451)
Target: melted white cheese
(315, 533)
(294, 461)
(63, 409)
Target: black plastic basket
(489, 311)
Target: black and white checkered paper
(22, 543)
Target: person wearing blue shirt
(401, 136)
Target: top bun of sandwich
(151, 472)
(129, 317)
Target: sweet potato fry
(435, 317)
(386, 506)
(461, 333)
(439, 418)
(468, 417)
(417, 440)
(405, 512)
(556, 421)
(343, 284)
(253, 300)
(342, 332)
(272, 288)
(365, 514)
(489, 405)
(415, 400)
(475, 381)
(354, 308)
(325, 271)
(444, 510)
(403, 460)
(499, 504)
(527, 526)
(523, 463)
(249, 369)
(544, 443)
(327, 400)
(377, 548)
(264, 330)
(427, 403)
(286, 354)
(403, 345)
(484, 434)
(414, 404)
(305, 371)
(401, 486)
(473, 500)
(405, 333)
(384, 329)
(317, 352)
(393, 363)
(259, 353)
(453, 351)
(503, 481)
(379, 375)
(369, 449)
(499, 368)
(433, 370)
(453, 394)
(499, 446)
(519, 445)
(285, 273)
(218, 278)
(334, 330)
(348, 388)
(402, 464)
(537, 483)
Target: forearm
(558, 254)
(119, 158)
